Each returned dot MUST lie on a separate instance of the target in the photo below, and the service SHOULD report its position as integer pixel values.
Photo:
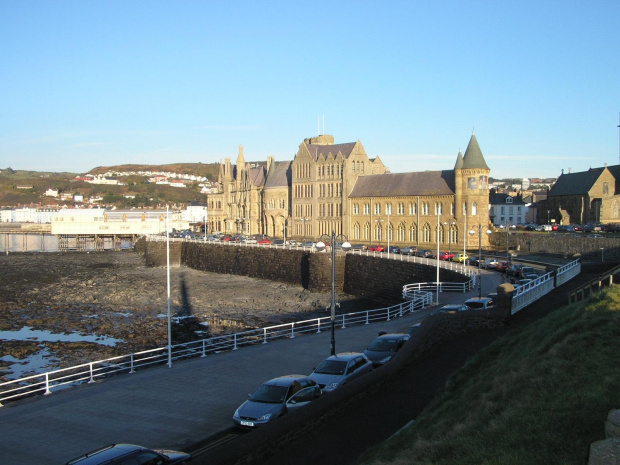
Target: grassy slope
(539, 395)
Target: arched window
(441, 236)
(390, 232)
(401, 233)
(378, 231)
(413, 208)
(367, 232)
(413, 234)
(438, 208)
(388, 208)
(474, 209)
(425, 208)
(426, 233)
(356, 231)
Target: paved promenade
(173, 407)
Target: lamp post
(437, 256)
(507, 252)
(340, 240)
(471, 233)
(548, 216)
(168, 290)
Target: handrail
(43, 383)
(593, 285)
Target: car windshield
(475, 304)
(270, 394)
(331, 367)
(383, 345)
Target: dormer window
(508, 199)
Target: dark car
(275, 398)
(394, 249)
(452, 308)
(384, 347)
(425, 254)
(130, 454)
(340, 369)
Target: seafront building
(338, 188)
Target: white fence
(90, 372)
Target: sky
(98, 83)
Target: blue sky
(91, 83)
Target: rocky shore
(115, 297)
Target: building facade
(591, 196)
(338, 188)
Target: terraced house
(338, 188)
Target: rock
(605, 452)
(612, 425)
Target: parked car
(130, 454)
(502, 266)
(452, 308)
(340, 369)
(413, 328)
(376, 248)
(480, 303)
(275, 398)
(425, 254)
(384, 347)
(278, 242)
(360, 247)
(473, 261)
(409, 250)
(514, 269)
(264, 240)
(490, 263)
(460, 258)
(394, 249)
(446, 256)
(308, 244)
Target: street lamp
(339, 240)
(471, 233)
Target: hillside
(538, 395)
(23, 188)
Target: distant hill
(210, 170)
(22, 188)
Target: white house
(505, 209)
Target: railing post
(367, 313)
(293, 330)
(90, 369)
(47, 385)
(204, 348)
(318, 325)
(401, 309)
(131, 370)
(235, 341)
(343, 326)
(388, 313)
(264, 335)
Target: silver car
(384, 347)
(340, 369)
(275, 398)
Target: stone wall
(359, 275)
(553, 244)
(371, 277)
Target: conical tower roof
(473, 158)
(459, 161)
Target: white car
(340, 369)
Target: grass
(539, 395)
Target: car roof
(344, 356)
(393, 336)
(104, 454)
(478, 299)
(285, 380)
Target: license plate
(247, 423)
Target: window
(508, 199)
(413, 208)
(400, 233)
(388, 208)
(401, 208)
(438, 208)
(605, 188)
(426, 233)
(474, 209)
(377, 209)
(413, 234)
(356, 209)
(366, 209)
(425, 208)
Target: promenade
(175, 407)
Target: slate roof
(473, 158)
(402, 184)
(459, 161)
(324, 150)
(500, 199)
(279, 175)
(575, 183)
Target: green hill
(539, 395)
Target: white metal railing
(567, 272)
(534, 290)
(412, 290)
(89, 372)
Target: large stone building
(337, 188)
(584, 197)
